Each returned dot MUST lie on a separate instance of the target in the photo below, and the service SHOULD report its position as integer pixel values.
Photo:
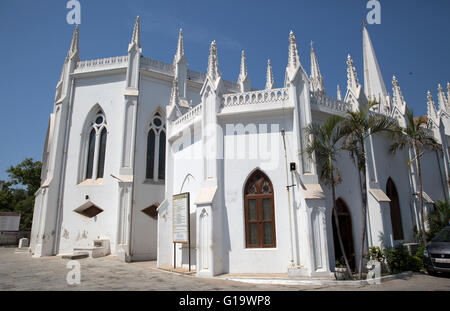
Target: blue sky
(413, 37)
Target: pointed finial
(136, 37)
(394, 81)
(179, 55)
(294, 59)
(74, 45)
(339, 96)
(442, 101)
(431, 108)
(213, 62)
(243, 71)
(269, 76)
(316, 79)
(352, 77)
(397, 99)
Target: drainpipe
(291, 263)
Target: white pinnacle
(269, 76)
(213, 62)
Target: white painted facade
(217, 134)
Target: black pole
(189, 230)
(174, 256)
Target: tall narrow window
(101, 155)
(90, 156)
(396, 216)
(259, 212)
(156, 149)
(162, 155)
(96, 147)
(150, 153)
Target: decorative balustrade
(156, 65)
(328, 102)
(256, 97)
(188, 116)
(103, 62)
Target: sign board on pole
(9, 222)
(181, 218)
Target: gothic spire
(269, 77)
(442, 101)
(243, 80)
(398, 99)
(316, 79)
(448, 94)
(136, 37)
(339, 96)
(74, 46)
(243, 71)
(431, 108)
(352, 77)
(213, 62)
(374, 86)
(179, 55)
(294, 59)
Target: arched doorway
(259, 212)
(345, 225)
(396, 216)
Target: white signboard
(181, 218)
(9, 222)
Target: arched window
(396, 216)
(96, 147)
(259, 212)
(345, 229)
(156, 148)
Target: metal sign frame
(186, 196)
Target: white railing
(256, 97)
(103, 62)
(328, 102)
(151, 64)
(188, 116)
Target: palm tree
(324, 145)
(415, 136)
(357, 126)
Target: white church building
(128, 133)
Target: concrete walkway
(19, 271)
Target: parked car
(436, 256)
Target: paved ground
(22, 272)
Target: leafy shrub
(399, 260)
(375, 253)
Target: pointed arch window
(259, 212)
(396, 216)
(96, 147)
(156, 148)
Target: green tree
(439, 218)
(324, 144)
(415, 136)
(17, 194)
(26, 173)
(357, 126)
